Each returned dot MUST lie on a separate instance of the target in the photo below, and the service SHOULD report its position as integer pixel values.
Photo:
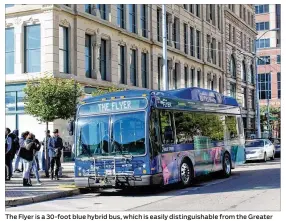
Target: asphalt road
(252, 187)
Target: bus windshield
(111, 135)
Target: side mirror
(71, 127)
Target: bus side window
(231, 127)
(167, 131)
(155, 147)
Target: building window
(241, 40)
(233, 90)
(240, 11)
(232, 67)
(186, 7)
(32, 48)
(253, 99)
(198, 10)
(144, 70)
(87, 8)
(263, 60)
(234, 35)
(192, 41)
(133, 68)
(264, 86)
(219, 54)
(167, 28)
(63, 50)
(252, 74)
(259, 9)
(198, 34)
(176, 31)
(88, 56)
(208, 49)
(186, 76)
(279, 84)
(220, 85)
(244, 46)
(120, 16)
(243, 71)
(263, 43)
(261, 26)
(244, 98)
(249, 43)
(244, 14)
(144, 9)
(159, 72)
(191, 7)
(186, 38)
(213, 51)
(199, 78)
(229, 32)
(192, 77)
(103, 59)
(121, 64)
(278, 15)
(132, 18)
(218, 17)
(278, 59)
(159, 25)
(102, 11)
(175, 75)
(9, 50)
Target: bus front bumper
(112, 181)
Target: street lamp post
(257, 90)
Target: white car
(259, 149)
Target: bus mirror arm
(71, 127)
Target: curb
(41, 198)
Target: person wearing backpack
(10, 148)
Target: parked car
(259, 149)
(277, 143)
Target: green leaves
(51, 98)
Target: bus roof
(191, 94)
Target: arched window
(232, 67)
(243, 71)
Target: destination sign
(113, 106)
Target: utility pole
(257, 99)
(268, 114)
(164, 34)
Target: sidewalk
(16, 194)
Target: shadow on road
(239, 181)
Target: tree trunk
(46, 152)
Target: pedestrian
(55, 148)
(32, 145)
(35, 164)
(10, 150)
(22, 145)
(42, 151)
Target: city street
(252, 187)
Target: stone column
(195, 83)
(113, 14)
(97, 58)
(138, 20)
(128, 64)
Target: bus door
(168, 156)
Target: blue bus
(148, 137)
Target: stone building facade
(103, 45)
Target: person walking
(42, 151)
(55, 148)
(32, 145)
(22, 145)
(10, 149)
(35, 164)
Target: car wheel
(273, 156)
(226, 166)
(186, 173)
(265, 157)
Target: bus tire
(186, 172)
(226, 166)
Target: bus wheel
(226, 166)
(186, 171)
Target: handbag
(25, 154)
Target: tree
(50, 98)
(275, 117)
